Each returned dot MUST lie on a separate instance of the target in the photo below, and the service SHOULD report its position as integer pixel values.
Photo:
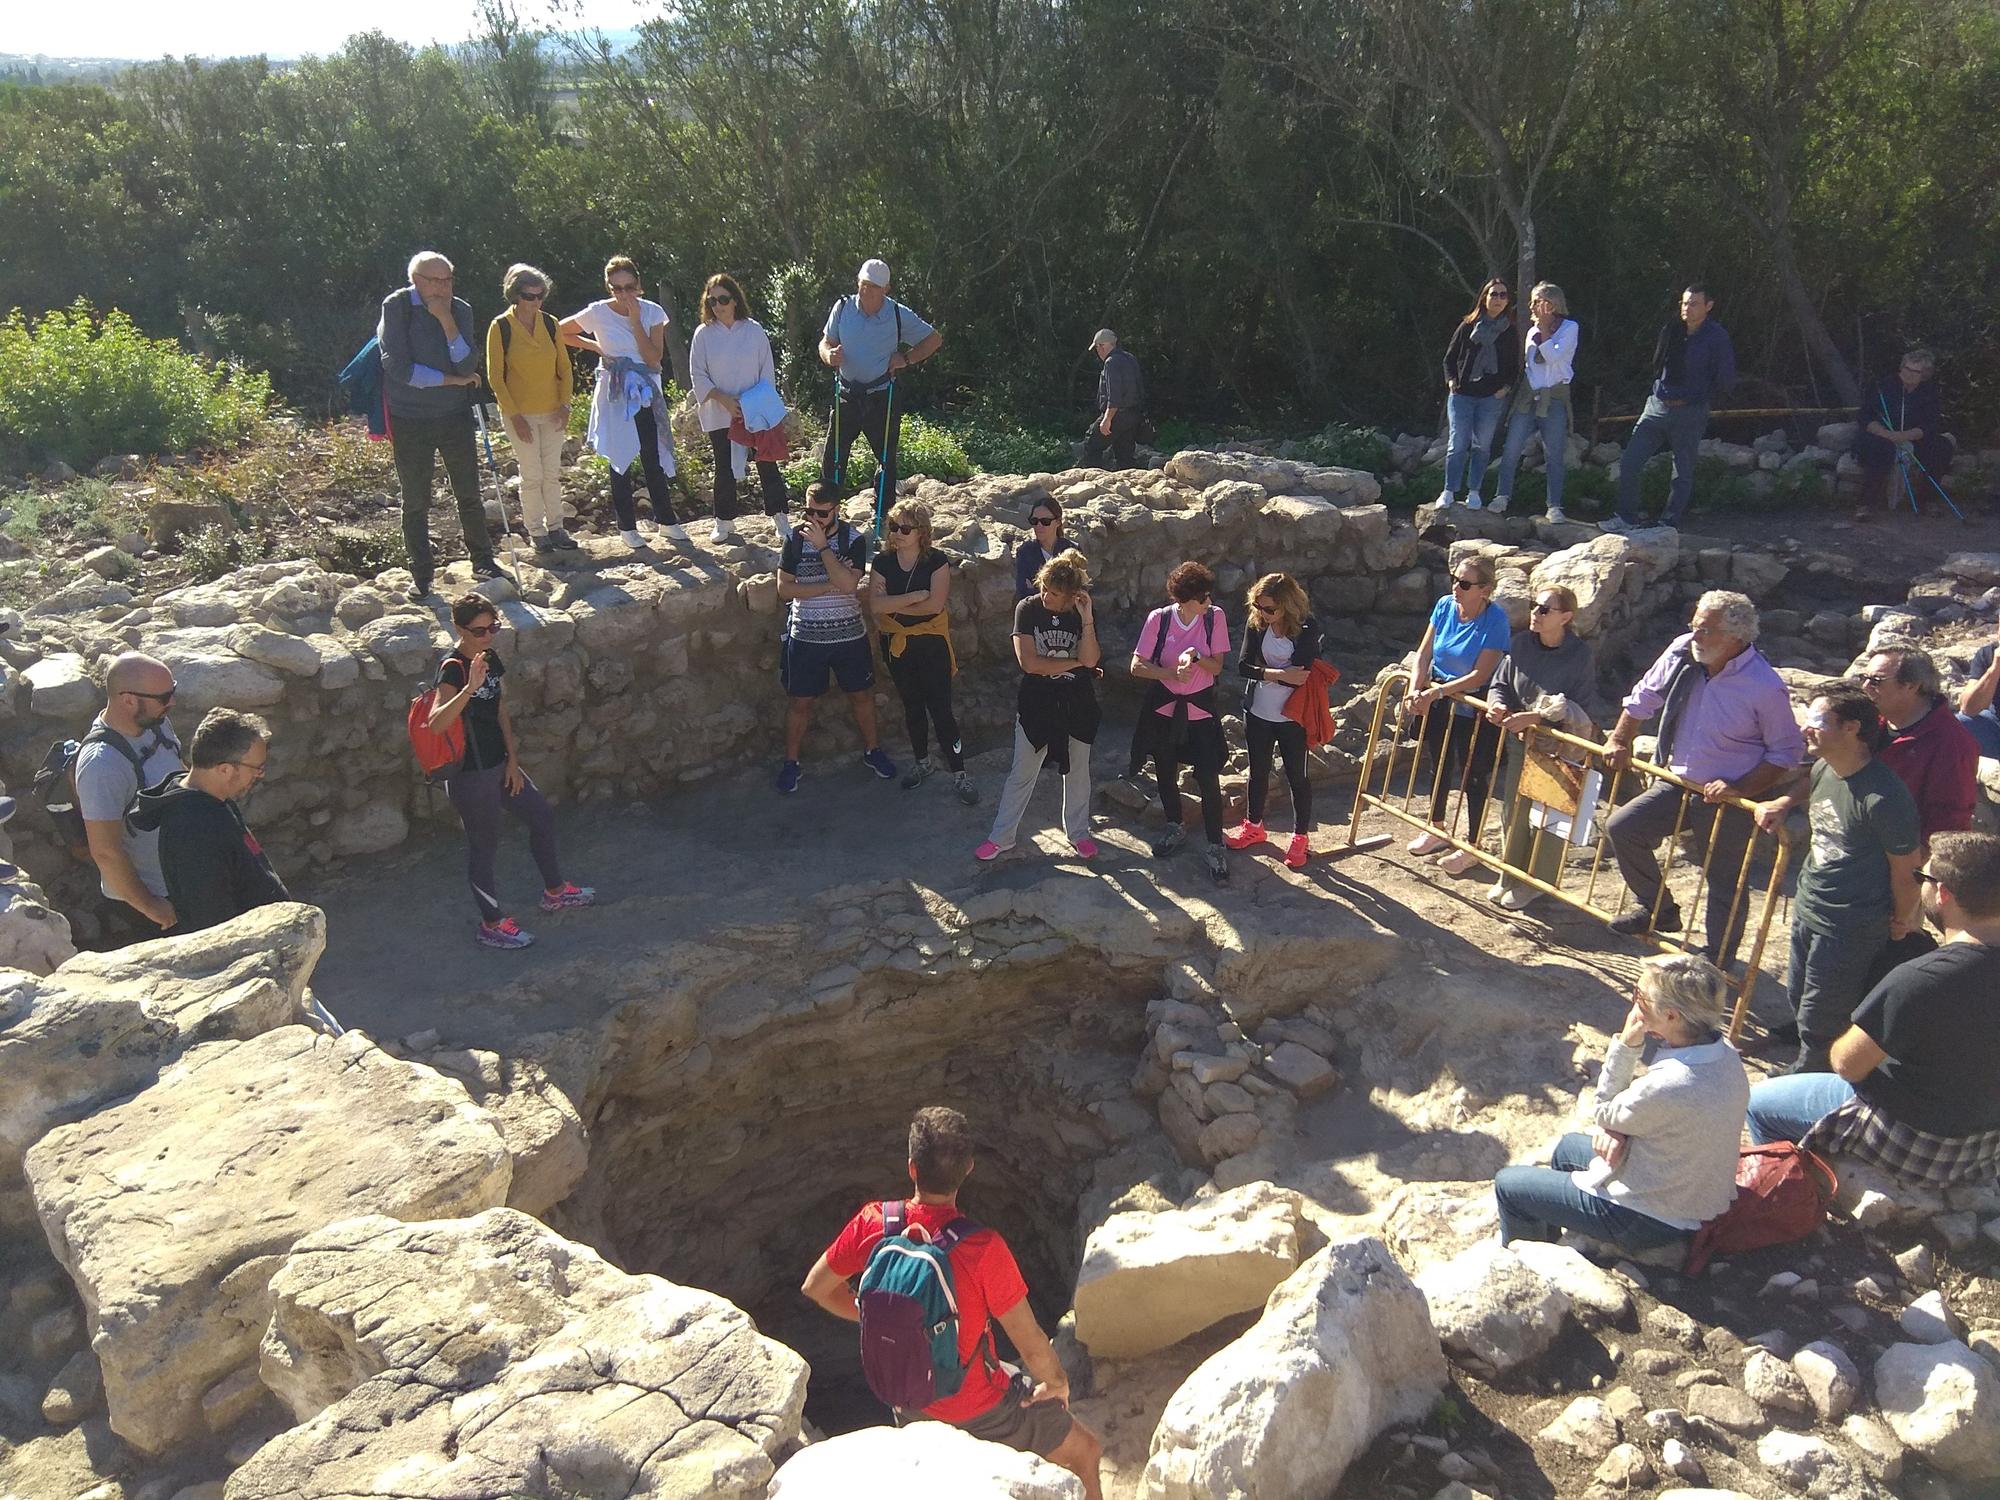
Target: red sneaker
(1244, 835)
(1298, 851)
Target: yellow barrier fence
(1563, 789)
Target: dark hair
(1479, 302)
(1700, 289)
(728, 284)
(224, 735)
(1190, 581)
(1054, 505)
(1968, 865)
(1848, 702)
(940, 1148)
(819, 493)
(619, 263)
(468, 607)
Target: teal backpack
(909, 1312)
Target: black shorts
(1028, 1429)
(806, 666)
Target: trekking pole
(1902, 458)
(1934, 485)
(889, 445)
(499, 490)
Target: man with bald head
(130, 745)
(430, 376)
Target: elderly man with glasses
(215, 869)
(1934, 754)
(130, 746)
(1725, 724)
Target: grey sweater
(1532, 672)
(1681, 1121)
(410, 336)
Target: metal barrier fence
(1564, 790)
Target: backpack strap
(949, 1236)
(894, 1217)
(1209, 622)
(104, 734)
(1160, 643)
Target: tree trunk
(677, 344)
(1524, 265)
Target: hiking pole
(1934, 485)
(499, 490)
(1902, 455)
(882, 496)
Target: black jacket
(214, 866)
(1458, 356)
(1250, 660)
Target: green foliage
(76, 387)
(1013, 448)
(88, 509)
(1347, 447)
(216, 550)
(929, 449)
(361, 550)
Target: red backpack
(1780, 1197)
(439, 753)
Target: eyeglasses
(434, 275)
(256, 769)
(1872, 680)
(529, 296)
(900, 529)
(166, 697)
(482, 630)
(1043, 520)
(1466, 583)
(1925, 875)
(1265, 609)
(624, 286)
(719, 299)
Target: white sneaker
(633, 540)
(1500, 504)
(1556, 514)
(784, 524)
(1444, 499)
(1426, 843)
(677, 534)
(722, 531)
(1472, 501)
(1613, 524)
(1513, 900)
(1497, 891)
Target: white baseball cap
(875, 272)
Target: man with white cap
(870, 338)
(1121, 396)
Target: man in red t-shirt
(989, 1288)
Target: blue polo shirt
(1456, 643)
(866, 343)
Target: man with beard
(130, 746)
(1916, 1081)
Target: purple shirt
(1732, 722)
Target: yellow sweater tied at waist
(896, 635)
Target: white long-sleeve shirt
(729, 358)
(1557, 362)
(1681, 1120)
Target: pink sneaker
(564, 896)
(1298, 851)
(1086, 848)
(988, 851)
(1244, 835)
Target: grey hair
(1102, 342)
(424, 258)
(1915, 668)
(1688, 984)
(1921, 359)
(1739, 615)
(1549, 292)
(522, 274)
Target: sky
(278, 28)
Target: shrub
(86, 509)
(1011, 448)
(76, 387)
(1347, 447)
(216, 550)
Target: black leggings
(1207, 769)
(1289, 740)
(776, 499)
(480, 797)
(658, 486)
(1454, 739)
(922, 674)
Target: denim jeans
(1681, 429)
(1474, 420)
(1784, 1109)
(1984, 728)
(1555, 446)
(1536, 1202)
(1826, 978)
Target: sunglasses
(1466, 583)
(1874, 681)
(1265, 609)
(166, 697)
(1927, 877)
(624, 286)
(902, 530)
(529, 296)
(482, 630)
(718, 299)
(1547, 609)
(819, 515)
(1043, 520)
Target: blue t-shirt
(866, 343)
(1456, 643)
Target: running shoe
(1298, 851)
(566, 895)
(562, 541)
(1556, 515)
(491, 569)
(1499, 504)
(1473, 502)
(967, 792)
(914, 777)
(1244, 835)
(633, 540)
(1443, 501)
(1218, 864)
(1458, 861)
(1426, 843)
(1614, 524)
(878, 761)
(1170, 839)
(1086, 848)
(788, 776)
(721, 532)
(505, 933)
(989, 851)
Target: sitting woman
(1660, 1160)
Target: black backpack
(55, 783)
(1208, 624)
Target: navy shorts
(805, 666)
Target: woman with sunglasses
(490, 780)
(1279, 648)
(729, 354)
(1549, 677)
(1044, 545)
(1481, 364)
(909, 601)
(1461, 650)
(527, 364)
(1180, 649)
(629, 423)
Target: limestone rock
(1804, 1461)
(60, 687)
(1490, 1310)
(1929, 1321)
(273, 648)
(76, 1392)
(243, 1147)
(1626, 1467)
(1727, 1407)
(928, 1458)
(370, 829)
(1879, 1447)
(1306, 1073)
(1150, 1279)
(1427, 1222)
(543, 1132)
(667, 1392)
(1227, 1136)
(1585, 1426)
(1592, 1290)
(209, 674)
(33, 938)
(1831, 1381)
(1943, 1401)
(1343, 1350)
(1775, 1385)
